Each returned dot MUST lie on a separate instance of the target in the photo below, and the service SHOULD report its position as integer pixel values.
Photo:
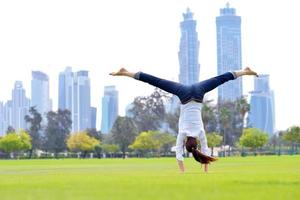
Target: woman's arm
(181, 165)
(180, 151)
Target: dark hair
(191, 146)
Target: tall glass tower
(65, 90)
(229, 52)
(75, 96)
(2, 119)
(19, 106)
(81, 101)
(40, 93)
(110, 109)
(93, 117)
(189, 50)
(262, 106)
(188, 56)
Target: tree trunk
(30, 153)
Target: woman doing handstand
(190, 120)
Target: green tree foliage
(213, 140)
(149, 112)
(253, 138)
(172, 120)
(94, 133)
(34, 119)
(81, 142)
(123, 133)
(57, 131)
(292, 135)
(15, 142)
(153, 141)
(209, 117)
(166, 141)
(146, 141)
(110, 148)
(231, 118)
(10, 129)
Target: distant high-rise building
(81, 101)
(7, 115)
(65, 90)
(229, 52)
(93, 117)
(20, 106)
(2, 119)
(189, 50)
(40, 93)
(188, 55)
(110, 108)
(75, 95)
(262, 108)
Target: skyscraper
(110, 108)
(7, 115)
(75, 95)
(93, 117)
(188, 56)
(262, 108)
(229, 52)
(20, 106)
(189, 50)
(40, 93)
(2, 129)
(82, 101)
(65, 90)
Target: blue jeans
(186, 93)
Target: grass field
(271, 177)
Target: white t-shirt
(190, 124)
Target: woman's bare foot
(121, 72)
(248, 71)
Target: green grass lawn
(268, 177)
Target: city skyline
(139, 40)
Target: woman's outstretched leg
(166, 85)
(210, 84)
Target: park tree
(110, 149)
(92, 132)
(225, 118)
(172, 119)
(34, 118)
(57, 131)
(123, 133)
(146, 142)
(81, 142)
(15, 142)
(213, 140)
(253, 138)
(292, 136)
(209, 117)
(231, 116)
(148, 112)
(166, 141)
(10, 129)
(242, 107)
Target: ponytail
(191, 146)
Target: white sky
(101, 36)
